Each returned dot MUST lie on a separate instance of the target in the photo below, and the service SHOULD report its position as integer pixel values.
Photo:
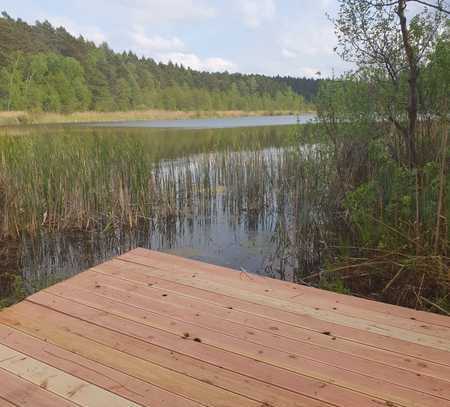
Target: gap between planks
(150, 257)
(317, 305)
(141, 353)
(395, 390)
(136, 308)
(143, 274)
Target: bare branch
(437, 7)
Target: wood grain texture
(151, 329)
(109, 379)
(176, 361)
(109, 352)
(377, 309)
(56, 327)
(296, 353)
(374, 337)
(291, 361)
(58, 382)
(6, 403)
(20, 392)
(161, 298)
(247, 289)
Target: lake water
(234, 196)
(223, 123)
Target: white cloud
(173, 49)
(309, 41)
(89, 32)
(288, 53)
(219, 65)
(309, 72)
(193, 61)
(150, 45)
(214, 35)
(256, 12)
(309, 49)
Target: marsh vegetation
(77, 184)
(356, 202)
(267, 200)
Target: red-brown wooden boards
(150, 329)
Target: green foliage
(45, 68)
(382, 208)
(349, 99)
(388, 124)
(435, 85)
(333, 282)
(44, 82)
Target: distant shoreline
(26, 118)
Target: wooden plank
(361, 383)
(152, 258)
(20, 393)
(320, 307)
(59, 328)
(150, 329)
(204, 392)
(160, 300)
(314, 300)
(135, 307)
(58, 382)
(244, 291)
(6, 403)
(146, 275)
(109, 379)
(62, 359)
(357, 323)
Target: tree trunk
(413, 73)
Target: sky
(272, 37)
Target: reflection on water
(222, 230)
(224, 123)
(217, 239)
(238, 198)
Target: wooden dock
(150, 329)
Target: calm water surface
(224, 123)
(242, 213)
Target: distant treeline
(44, 68)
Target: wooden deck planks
(153, 258)
(58, 382)
(136, 349)
(309, 368)
(247, 290)
(318, 306)
(151, 329)
(220, 306)
(207, 314)
(5, 403)
(20, 392)
(72, 339)
(238, 300)
(109, 379)
(192, 367)
(135, 307)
